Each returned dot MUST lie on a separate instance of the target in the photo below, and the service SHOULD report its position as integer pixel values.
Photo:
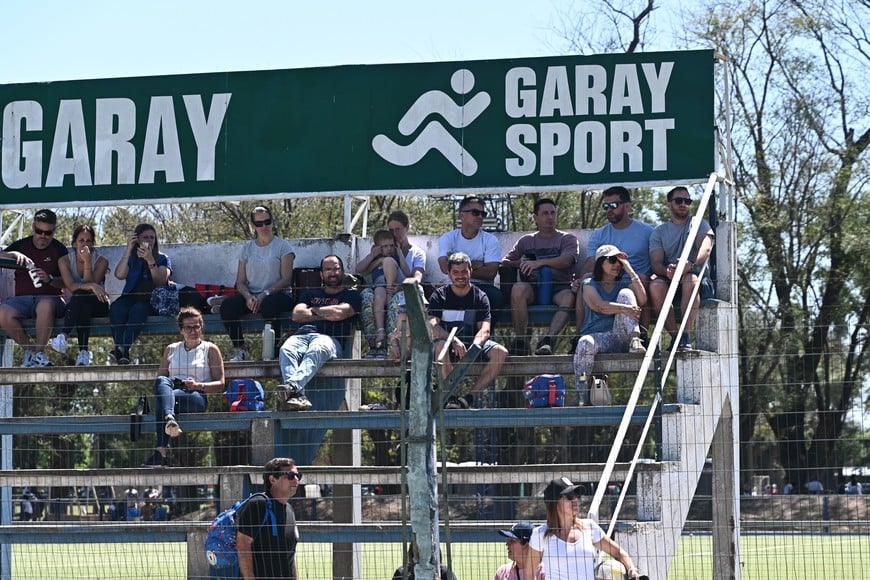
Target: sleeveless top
(74, 266)
(193, 363)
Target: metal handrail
(654, 338)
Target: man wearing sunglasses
(665, 246)
(262, 554)
(482, 247)
(626, 233)
(49, 261)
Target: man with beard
(325, 317)
(629, 235)
(665, 246)
(463, 305)
(49, 261)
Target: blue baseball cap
(521, 531)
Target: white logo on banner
(434, 135)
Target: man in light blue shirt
(628, 234)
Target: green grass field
(795, 557)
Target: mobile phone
(529, 255)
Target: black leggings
(82, 307)
(235, 307)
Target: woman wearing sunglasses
(567, 545)
(263, 280)
(613, 308)
(190, 368)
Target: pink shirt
(511, 572)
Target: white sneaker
(27, 361)
(84, 358)
(635, 346)
(40, 360)
(241, 355)
(59, 343)
(171, 428)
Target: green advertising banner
(519, 124)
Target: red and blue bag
(245, 395)
(545, 391)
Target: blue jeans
(127, 316)
(302, 355)
(171, 401)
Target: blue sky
(49, 40)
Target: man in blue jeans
(325, 316)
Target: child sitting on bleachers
(382, 268)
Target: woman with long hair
(87, 296)
(567, 544)
(143, 268)
(613, 308)
(263, 279)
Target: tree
(798, 92)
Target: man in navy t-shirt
(325, 316)
(463, 305)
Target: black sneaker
(156, 460)
(574, 340)
(463, 402)
(519, 348)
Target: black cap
(559, 487)
(521, 531)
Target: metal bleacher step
(526, 366)
(313, 419)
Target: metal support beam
(422, 482)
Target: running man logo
(434, 135)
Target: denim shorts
(26, 305)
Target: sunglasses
(48, 233)
(475, 212)
(682, 201)
(289, 475)
(571, 496)
(612, 259)
(261, 223)
(611, 205)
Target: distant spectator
(482, 247)
(814, 487)
(47, 259)
(26, 505)
(854, 486)
(263, 278)
(787, 487)
(142, 267)
(87, 296)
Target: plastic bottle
(545, 286)
(268, 342)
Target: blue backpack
(245, 395)
(545, 391)
(220, 543)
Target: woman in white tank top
(189, 369)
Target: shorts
(26, 305)
(487, 347)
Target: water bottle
(545, 286)
(268, 342)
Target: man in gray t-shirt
(665, 246)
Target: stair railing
(654, 339)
